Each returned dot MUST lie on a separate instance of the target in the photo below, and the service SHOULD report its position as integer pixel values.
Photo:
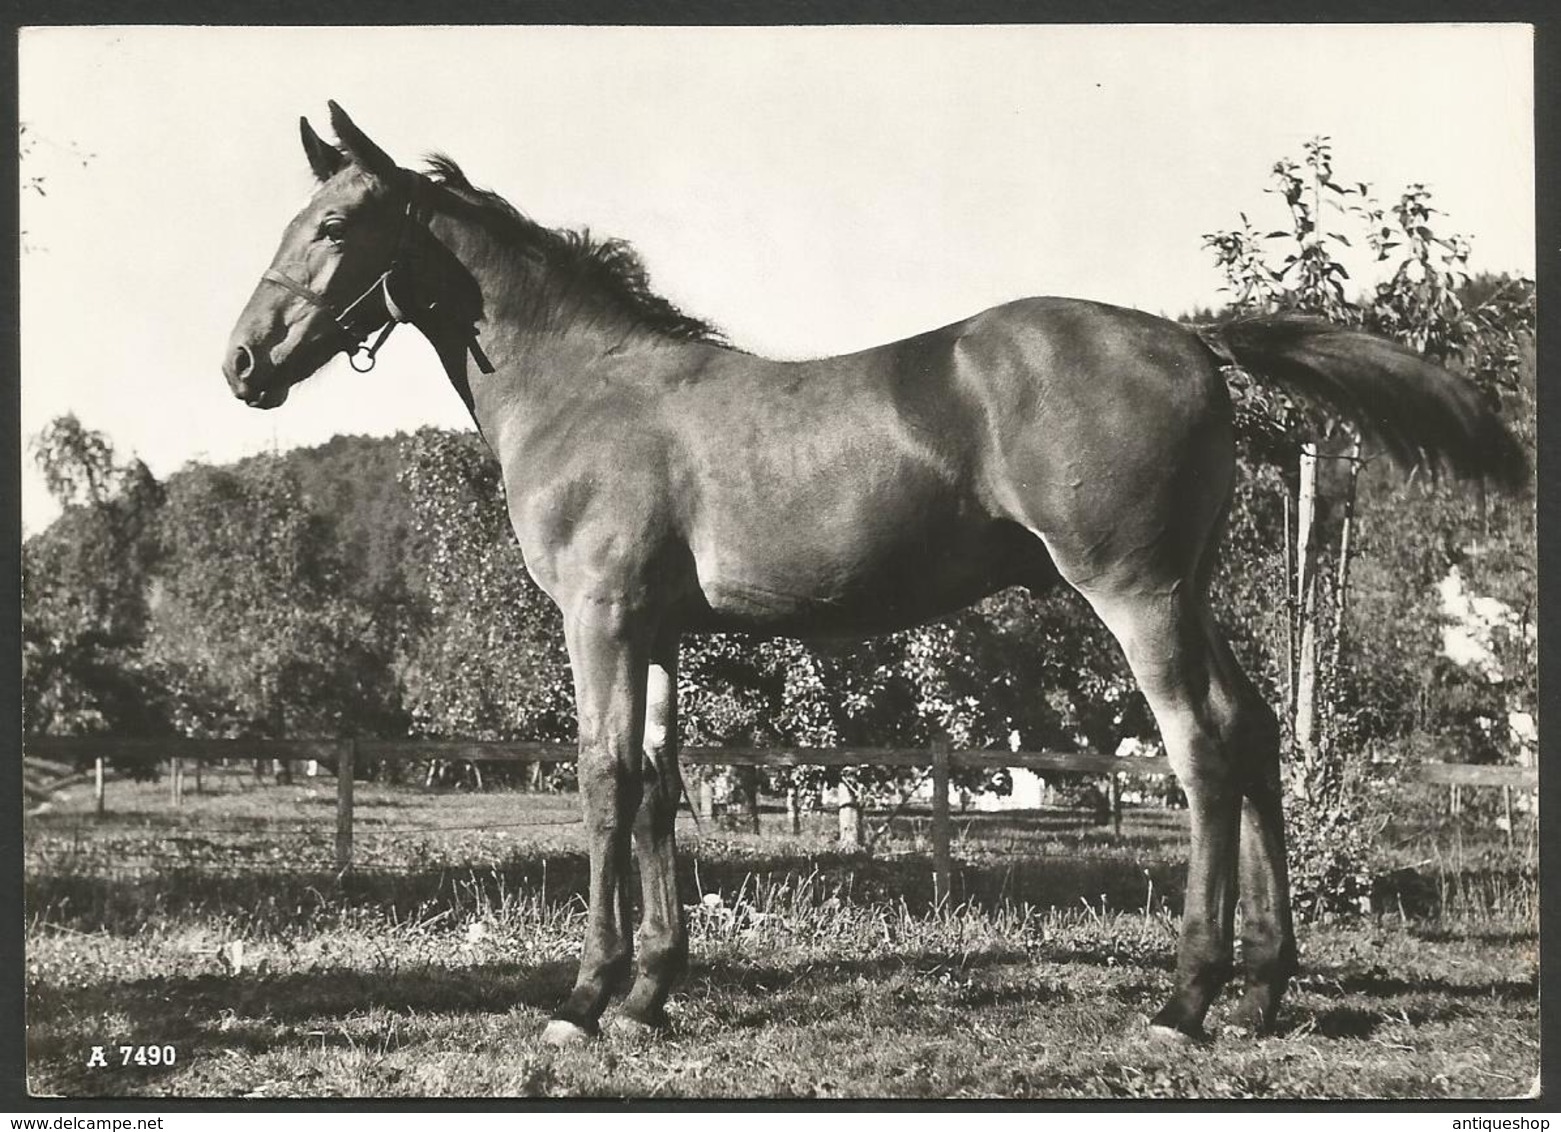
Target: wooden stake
(1306, 599)
(346, 762)
(748, 777)
(850, 820)
(940, 823)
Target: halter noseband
(377, 307)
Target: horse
(662, 482)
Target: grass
(431, 971)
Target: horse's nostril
(243, 363)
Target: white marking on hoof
(562, 1032)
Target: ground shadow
(1380, 985)
(752, 995)
(196, 1013)
(1424, 1000)
(1338, 1022)
(762, 977)
(260, 1013)
(92, 902)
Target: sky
(809, 190)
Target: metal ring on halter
(370, 351)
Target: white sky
(808, 190)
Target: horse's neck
(539, 357)
(523, 354)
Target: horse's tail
(1416, 410)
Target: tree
(250, 618)
(84, 587)
(1421, 538)
(1420, 304)
(354, 482)
(1042, 670)
(489, 661)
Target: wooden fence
(940, 760)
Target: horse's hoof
(1175, 1022)
(563, 1032)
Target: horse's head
(326, 289)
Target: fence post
(346, 761)
(748, 780)
(793, 810)
(850, 819)
(97, 783)
(176, 781)
(1506, 804)
(1114, 801)
(940, 822)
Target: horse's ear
(325, 159)
(364, 153)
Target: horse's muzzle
(266, 398)
(242, 370)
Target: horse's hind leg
(663, 942)
(609, 656)
(1209, 717)
(1268, 953)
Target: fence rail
(329, 750)
(347, 754)
(1473, 774)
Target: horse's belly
(816, 587)
(754, 607)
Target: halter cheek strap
(307, 294)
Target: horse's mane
(574, 274)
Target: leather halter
(378, 307)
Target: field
(220, 931)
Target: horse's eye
(332, 230)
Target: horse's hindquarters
(1109, 438)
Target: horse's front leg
(663, 942)
(609, 655)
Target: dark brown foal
(660, 482)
